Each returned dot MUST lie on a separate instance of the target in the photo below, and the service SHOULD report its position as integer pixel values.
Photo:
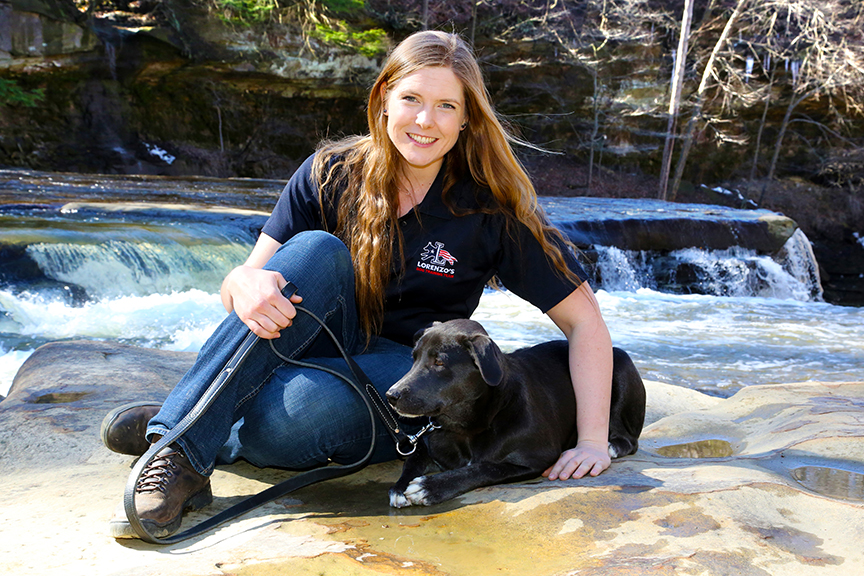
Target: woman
(381, 234)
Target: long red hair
(367, 169)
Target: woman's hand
(588, 457)
(255, 295)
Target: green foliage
(344, 6)
(369, 43)
(246, 12)
(314, 19)
(12, 94)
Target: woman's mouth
(423, 140)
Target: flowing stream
(96, 258)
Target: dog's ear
(421, 331)
(487, 357)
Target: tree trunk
(700, 96)
(675, 96)
(685, 148)
(594, 131)
(793, 103)
(473, 20)
(761, 128)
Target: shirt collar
(433, 202)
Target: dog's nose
(393, 396)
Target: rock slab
(770, 481)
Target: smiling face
(425, 113)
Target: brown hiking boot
(123, 427)
(168, 486)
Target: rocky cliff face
(226, 96)
(167, 87)
(229, 99)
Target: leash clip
(414, 438)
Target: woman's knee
(317, 247)
(317, 263)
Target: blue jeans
(275, 414)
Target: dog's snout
(393, 395)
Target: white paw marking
(613, 453)
(416, 493)
(398, 500)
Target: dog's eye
(438, 361)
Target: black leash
(358, 380)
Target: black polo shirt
(448, 258)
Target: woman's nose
(424, 119)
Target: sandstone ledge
(770, 481)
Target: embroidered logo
(436, 260)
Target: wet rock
(61, 393)
(664, 227)
(41, 28)
(769, 481)
(19, 272)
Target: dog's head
(455, 363)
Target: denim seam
(333, 449)
(193, 459)
(254, 392)
(324, 452)
(345, 336)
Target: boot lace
(155, 476)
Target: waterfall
(111, 55)
(792, 275)
(623, 270)
(92, 252)
(121, 267)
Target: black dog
(502, 417)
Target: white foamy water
(150, 277)
(736, 271)
(177, 321)
(709, 343)
(153, 318)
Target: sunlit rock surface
(660, 226)
(770, 481)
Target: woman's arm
(578, 316)
(256, 294)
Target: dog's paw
(416, 492)
(398, 499)
(613, 451)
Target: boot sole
(121, 528)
